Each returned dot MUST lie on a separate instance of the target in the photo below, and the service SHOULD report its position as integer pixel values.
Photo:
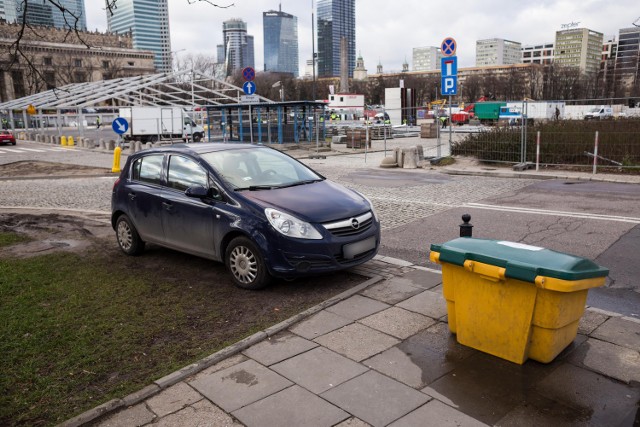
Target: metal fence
(611, 144)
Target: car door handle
(167, 205)
(132, 196)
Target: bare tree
(72, 21)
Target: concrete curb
(190, 370)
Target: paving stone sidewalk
(382, 355)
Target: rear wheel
(128, 238)
(245, 262)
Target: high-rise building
(426, 58)
(628, 55)
(497, 52)
(579, 47)
(219, 54)
(238, 46)
(280, 42)
(148, 22)
(537, 54)
(336, 20)
(44, 13)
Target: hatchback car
(261, 212)
(6, 137)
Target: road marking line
(32, 149)
(554, 213)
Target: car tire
(197, 137)
(128, 238)
(245, 262)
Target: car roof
(199, 148)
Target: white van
(599, 113)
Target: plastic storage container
(511, 300)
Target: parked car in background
(6, 137)
(261, 212)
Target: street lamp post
(279, 85)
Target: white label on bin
(520, 246)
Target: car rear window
(148, 169)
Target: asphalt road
(596, 220)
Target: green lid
(521, 261)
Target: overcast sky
(387, 30)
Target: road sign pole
(450, 124)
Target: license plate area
(352, 250)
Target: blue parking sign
(449, 85)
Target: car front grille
(350, 226)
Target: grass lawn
(80, 329)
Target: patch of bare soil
(88, 235)
(36, 169)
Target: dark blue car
(261, 212)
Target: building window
(50, 79)
(47, 60)
(130, 63)
(18, 83)
(105, 64)
(77, 63)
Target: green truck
(488, 112)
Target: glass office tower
(148, 20)
(238, 46)
(44, 13)
(280, 42)
(336, 19)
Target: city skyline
(387, 33)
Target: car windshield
(259, 168)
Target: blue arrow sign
(120, 125)
(249, 88)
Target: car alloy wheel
(128, 238)
(246, 264)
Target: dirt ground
(47, 169)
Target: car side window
(185, 173)
(148, 169)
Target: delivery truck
(153, 124)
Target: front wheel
(197, 137)
(245, 262)
(128, 238)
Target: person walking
(98, 124)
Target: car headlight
(291, 226)
(373, 211)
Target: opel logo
(355, 224)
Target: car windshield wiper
(256, 187)
(307, 181)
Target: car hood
(316, 202)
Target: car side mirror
(197, 191)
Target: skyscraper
(44, 13)
(148, 21)
(238, 46)
(280, 42)
(336, 19)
